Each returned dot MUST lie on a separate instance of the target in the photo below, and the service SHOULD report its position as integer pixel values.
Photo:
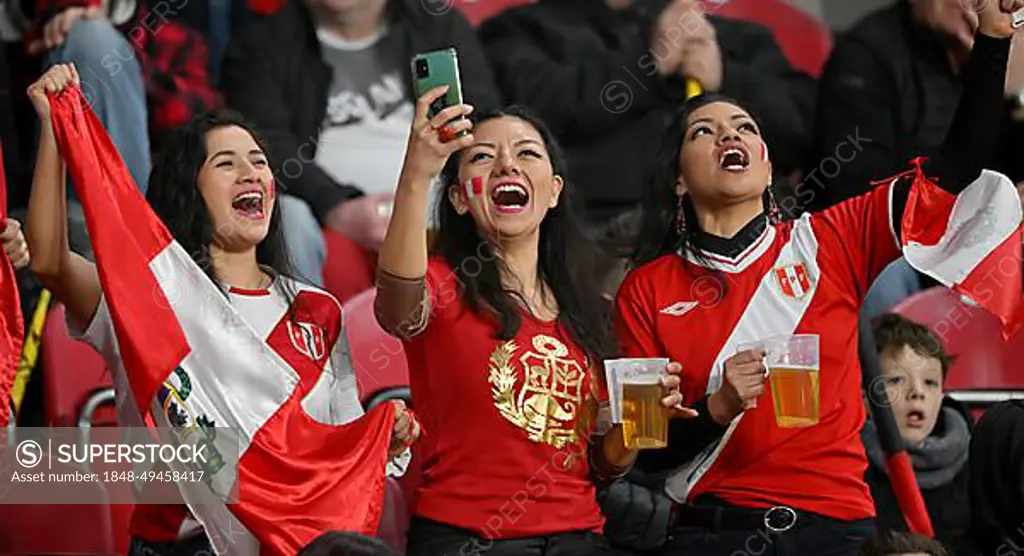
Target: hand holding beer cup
(743, 381)
(644, 396)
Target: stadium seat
(82, 528)
(72, 372)
(478, 11)
(987, 368)
(378, 357)
(348, 269)
(806, 41)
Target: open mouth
(510, 197)
(249, 204)
(734, 159)
(915, 418)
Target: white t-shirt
(369, 111)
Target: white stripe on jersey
(769, 313)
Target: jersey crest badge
(794, 281)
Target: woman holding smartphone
(504, 333)
(717, 270)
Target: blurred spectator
(935, 428)
(889, 92)
(997, 480)
(903, 544)
(337, 543)
(86, 34)
(607, 75)
(329, 82)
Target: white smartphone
(1018, 19)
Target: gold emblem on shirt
(545, 406)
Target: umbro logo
(679, 309)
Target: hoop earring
(680, 217)
(774, 212)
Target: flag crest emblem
(794, 280)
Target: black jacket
(586, 70)
(997, 480)
(948, 505)
(275, 75)
(889, 86)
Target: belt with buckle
(778, 519)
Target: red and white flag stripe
(969, 242)
(176, 332)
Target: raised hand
(55, 80)
(433, 140)
(995, 16)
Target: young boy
(936, 430)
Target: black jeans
(431, 538)
(812, 535)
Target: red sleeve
(856, 239)
(634, 318)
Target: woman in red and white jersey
(717, 269)
(213, 188)
(504, 333)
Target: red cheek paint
(270, 189)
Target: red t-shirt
(501, 450)
(807, 276)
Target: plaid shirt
(174, 58)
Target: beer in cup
(635, 390)
(793, 367)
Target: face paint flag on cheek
(474, 189)
(764, 152)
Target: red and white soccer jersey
(319, 331)
(806, 276)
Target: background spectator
(935, 428)
(997, 480)
(893, 81)
(608, 75)
(332, 91)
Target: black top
(587, 71)
(887, 94)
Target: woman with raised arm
(505, 333)
(717, 271)
(213, 188)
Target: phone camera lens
(422, 69)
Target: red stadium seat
(349, 268)
(55, 528)
(377, 356)
(72, 372)
(987, 368)
(478, 11)
(806, 41)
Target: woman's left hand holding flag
(405, 431)
(14, 243)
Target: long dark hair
(174, 193)
(659, 234)
(563, 259)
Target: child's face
(913, 383)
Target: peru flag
(11, 325)
(970, 242)
(298, 476)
